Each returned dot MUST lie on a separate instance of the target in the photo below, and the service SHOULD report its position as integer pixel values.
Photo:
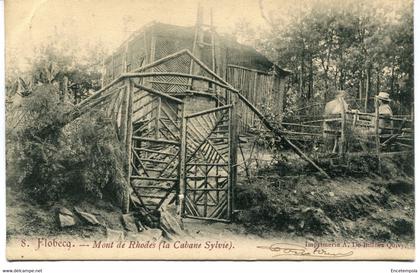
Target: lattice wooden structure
(175, 152)
(261, 82)
(181, 141)
(180, 98)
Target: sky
(31, 23)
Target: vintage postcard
(209, 130)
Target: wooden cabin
(184, 94)
(259, 80)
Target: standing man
(334, 109)
(385, 113)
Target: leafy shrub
(94, 155)
(79, 160)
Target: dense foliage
(363, 47)
(83, 159)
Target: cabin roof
(240, 54)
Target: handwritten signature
(283, 249)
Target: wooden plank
(141, 164)
(144, 126)
(169, 117)
(153, 178)
(135, 168)
(168, 129)
(151, 196)
(205, 192)
(124, 116)
(166, 141)
(141, 97)
(152, 187)
(300, 125)
(182, 157)
(128, 141)
(169, 164)
(221, 206)
(166, 195)
(154, 151)
(194, 130)
(144, 115)
(153, 160)
(206, 164)
(183, 75)
(170, 107)
(233, 144)
(209, 111)
(208, 218)
(144, 105)
(170, 83)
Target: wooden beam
(177, 74)
(161, 94)
(129, 140)
(124, 111)
(209, 111)
(280, 134)
(157, 140)
(158, 116)
(160, 61)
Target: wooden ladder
(199, 43)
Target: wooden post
(182, 156)
(124, 114)
(158, 114)
(197, 39)
(343, 129)
(213, 47)
(128, 142)
(254, 96)
(367, 89)
(233, 155)
(377, 140)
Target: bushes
(94, 155)
(77, 161)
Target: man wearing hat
(385, 112)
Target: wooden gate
(155, 148)
(208, 169)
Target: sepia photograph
(209, 130)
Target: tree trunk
(367, 88)
(311, 78)
(392, 78)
